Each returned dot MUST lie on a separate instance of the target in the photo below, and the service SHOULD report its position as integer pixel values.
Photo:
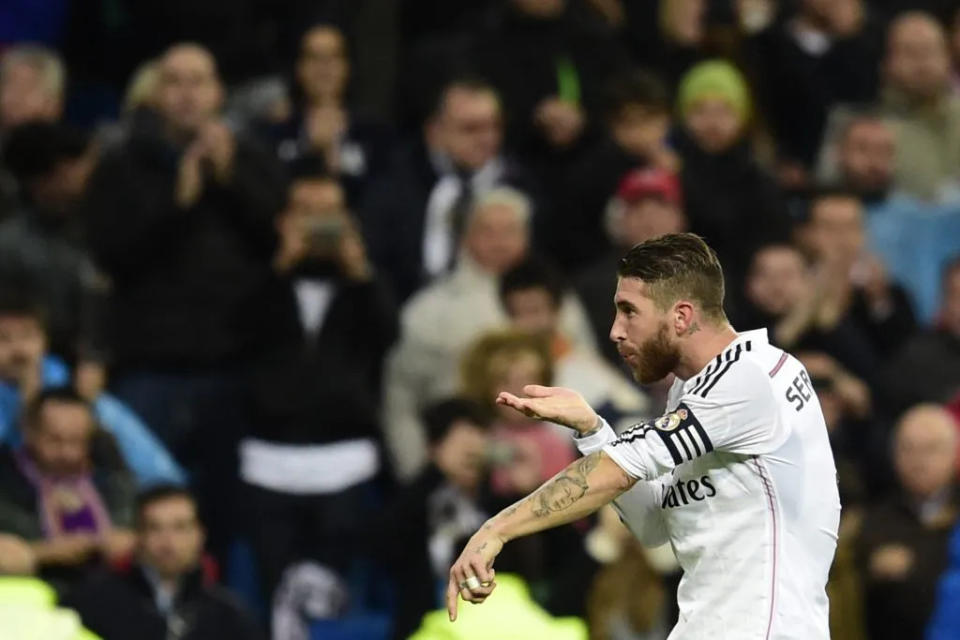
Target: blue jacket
(915, 241)
(945, 622)
(146, 456)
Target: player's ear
(683, 314)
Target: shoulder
(733, 376)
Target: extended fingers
(453, 589)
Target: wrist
(593, 430)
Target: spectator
(323, 125)
(433, 516)
(855, 282)
(863, 161)
(26, 370)
(32, 79)
(637, 121)
(440, 322)
(42, 248)
(415, 213)
(531, 294)
(784, 294)
(927, 369)
(164, 593)
(65, 491)
(670, 36)
(180, 218)
(325, 325)
(904, 540)
(916, 96)
(549, 59)
(729, 199)
(825, 54)
(647, 204)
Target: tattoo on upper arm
(564, 490)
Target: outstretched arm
(577, 491)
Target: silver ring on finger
(472, 582)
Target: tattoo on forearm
(565, 489)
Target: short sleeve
(739, 414)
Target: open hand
(555, 404)
(472, 575)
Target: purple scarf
(67, 505)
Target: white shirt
(739, 476)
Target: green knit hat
(715, 79)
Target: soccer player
(738, 474)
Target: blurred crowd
(265, 266)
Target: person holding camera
(324, 325)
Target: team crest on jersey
(671, 421)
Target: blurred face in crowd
(867, 154)
(467, 127)
(26, 96)
(22, 345)
(170, 537)
(835, 233)
(533, 310)
(639, 129)
(461, 454)
(918, 61)
(645, 219)
(714, 123)
(496, 238)
(323, 67)
(189, 93)
(314, 204)
(541, 8)
(950, 308)
(682, 21)
(777, 280)
(925, 450)
(59, 441)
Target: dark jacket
(900, 608)
(183, 279)
(47, 255)
(927, 369)
(326, 389)
(121, 606)
(596, 287)
(730, 201)
(798, 89)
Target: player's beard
(656, 358)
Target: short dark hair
(532, 273)
(33, 149)
(827, 192)
(18, 302)
(635, 88)
(677, 266)
(467, 82)
(159, 493)
(440, 416)
(64, 394)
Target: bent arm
(582, 488)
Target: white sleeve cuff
(597, 441)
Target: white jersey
(739, 477)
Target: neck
(703, 346)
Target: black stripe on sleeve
(683, 443)
(726, 367)
(671, 447)
(692, 421)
